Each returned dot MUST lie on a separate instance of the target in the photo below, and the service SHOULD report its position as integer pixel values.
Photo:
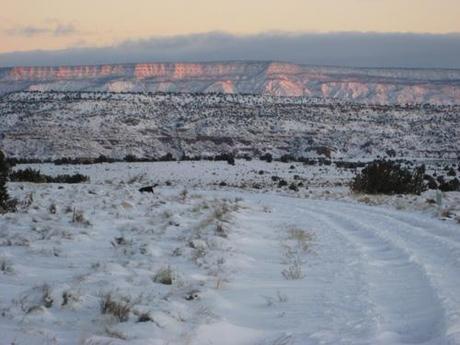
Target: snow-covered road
(374, 276)
(266, 270)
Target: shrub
(349, 165)
(167, 158)
(451, 172)
(74, 161)
(287, 158)
(293, 187)
(231, 160)
(450, 186)
(75, 178)
(6, 203)
(387, 177)
(164, 276)
(294, 271)
(6, 266)
(103, 159)
(144, 317)
(282, 183)
(130, 158)
(35, 176)
(267, 157)
(228, 157)
(28, 175)
(431, 182)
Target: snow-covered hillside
(88, 124)
(101, 263)
(383, 86)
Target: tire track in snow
(439, 257)
(408, 305)
(328, 306)
(376, 278)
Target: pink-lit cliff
(281, 79)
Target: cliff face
(64, 72)
(273, 78)
(174, 71)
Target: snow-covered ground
(53, 125)
(326, 182)
(246, 263)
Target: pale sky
(60, 24)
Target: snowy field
(240, 262)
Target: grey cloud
(57, 29)
(356, 49)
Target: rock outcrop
(382, 86)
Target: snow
(247, 266)
(52, 125)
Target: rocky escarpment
(381, 86)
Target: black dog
(148, 189)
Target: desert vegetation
(388, 177)
(6, 203)
(35, 176)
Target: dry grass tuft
(119, 309)
(164, 276)
(6, 266)
(78, 217)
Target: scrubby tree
(387, 177)
(6, 204)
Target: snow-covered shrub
(267, 157)
(164, 276)
(451, 172)
(6, 266)
(36, 299)
(294, 271)
(387, 177)
(293, 187)
(78, 217)
(69, 298)
(6, 203)
(144, 317)
(282, 183)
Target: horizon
(242, 61)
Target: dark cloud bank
(342, 49)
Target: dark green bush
(267, 157)
(450, 186)
(431, 182)
(387, 177)
(27, 175)
(451, 172)
(35, 176)
(75, 178)
(6, 203)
